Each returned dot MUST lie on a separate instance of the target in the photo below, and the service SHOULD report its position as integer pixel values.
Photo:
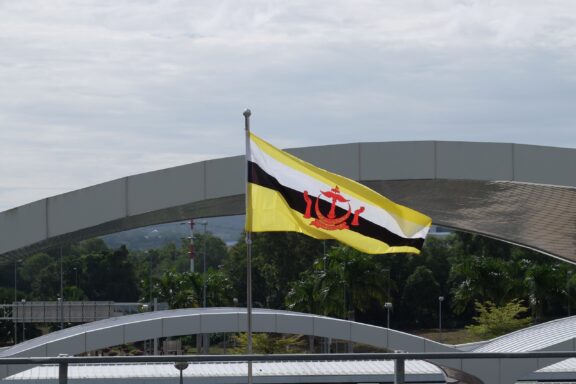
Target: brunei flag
(289, 194)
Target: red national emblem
(331, 222)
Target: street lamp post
(23, 319)
(205, 224)
(150, 305)
(388, 306)
(235, 302)
(181, 366)
(388, 283)
(61, 291)
(191, 251)
(149, 277)
(14, 306)
(16, 262)
(205, 335)
(440, 300)
(569, 276)
(76, 277)
(59, 310)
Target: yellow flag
(289, 194)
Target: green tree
(215, 249)
(304, 296)
(547, 286)
(219, 289)
(106, 274)
(40, 276)
(179, 290)
(494, 321)
(277, 259)
(86, 247)
(6, 326)
(436, 255)
(484, 270)
(350, 282)
(420, 299)
(269, 344)
(304, 293)
(172, 258)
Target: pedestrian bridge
(553, 336)
(150, 325)
(522, 194)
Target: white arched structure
(553, 336)
(523, 194)
(127, 329)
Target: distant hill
(228, 228)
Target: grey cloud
(96, 90)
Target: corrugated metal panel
(289, 370)
(534, 338)
(568, 365)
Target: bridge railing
(70, 311)
(398, 358)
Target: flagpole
(247, 114)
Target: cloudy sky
(94, 90)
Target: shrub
(495, 321)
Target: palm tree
(304, 296)
(304, 293)
(350, 282)
(484, 278)
(547, 285)
(179, 290)
(219, 289)
(420, 297)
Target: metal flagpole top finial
(247, 114)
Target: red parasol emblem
(331, 221)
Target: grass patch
(449, 336)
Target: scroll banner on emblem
(289, 194)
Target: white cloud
(96, 90)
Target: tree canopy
(475, 275)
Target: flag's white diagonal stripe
(297, 180)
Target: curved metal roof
(223, 373)
(522, 194)
(557, 334)
(277, 372)
(554, 335)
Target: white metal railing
(398, 358)
(70, 311)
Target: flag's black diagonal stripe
(295, 200)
